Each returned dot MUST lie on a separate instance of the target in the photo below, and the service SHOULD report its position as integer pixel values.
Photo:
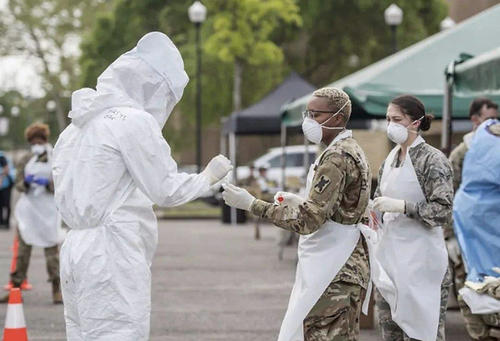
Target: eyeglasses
(314, 113)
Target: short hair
(37, 129)
(478, 103)
(336, 98)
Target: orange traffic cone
(15, 325)
(25, 285)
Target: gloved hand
(386, 204)
(29, 178)
(41, 181)
(217, 169)
(453, 250)
(287, 198)
(237, 197)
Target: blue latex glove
(41, 181)
(29, 178)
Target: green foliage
(30, 110)
(322, 40)
(242, 29)
(48, 32)
(335, 31)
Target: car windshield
(292, 160)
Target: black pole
(198, 98)
(394, 39)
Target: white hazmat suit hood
(109, 166)
(149, 77)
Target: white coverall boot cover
(110, 165)
(321, 256)
(410, 260)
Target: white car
(295, 156)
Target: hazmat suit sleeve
(148, 159)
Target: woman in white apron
(38, 221)
(332, 276)
(410, 262)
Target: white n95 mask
(38, 149)
(398, 133)
(313, 131)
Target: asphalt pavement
(210, 282)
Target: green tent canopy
(479, 76)
(416, 70)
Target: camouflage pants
(392, 332)
(335, 317)
(484, 327)
(459, 274)
(23, 262)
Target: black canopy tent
(264, 117)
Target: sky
(19, 72)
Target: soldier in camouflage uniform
(339, 192)
(481, 109)
(35, 134)
(434, 175)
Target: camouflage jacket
(340, 192)
(20, 184)
(457, 157)
(435, 176)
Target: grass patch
(194, 209)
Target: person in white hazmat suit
(110, 165)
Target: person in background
(476, 216)
(481, 109)
(7, 173)
(39, 223)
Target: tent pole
(447, 110)
(223, 140)
(232, 157)
(283, 156)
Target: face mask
(38, 149)
(313, 131)
(398, 133)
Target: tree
(49, 32)
(242, 31)
(118, 30)
(340, 36)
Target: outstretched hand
(237, 197)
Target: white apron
(38, 220)
(321, 256)
(410, 260)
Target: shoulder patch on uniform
(323, 183)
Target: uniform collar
(418, 140)
(344, 134)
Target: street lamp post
(4, 125)
(197, 14)
(51, 107)
(393, 16)
(447, 23)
